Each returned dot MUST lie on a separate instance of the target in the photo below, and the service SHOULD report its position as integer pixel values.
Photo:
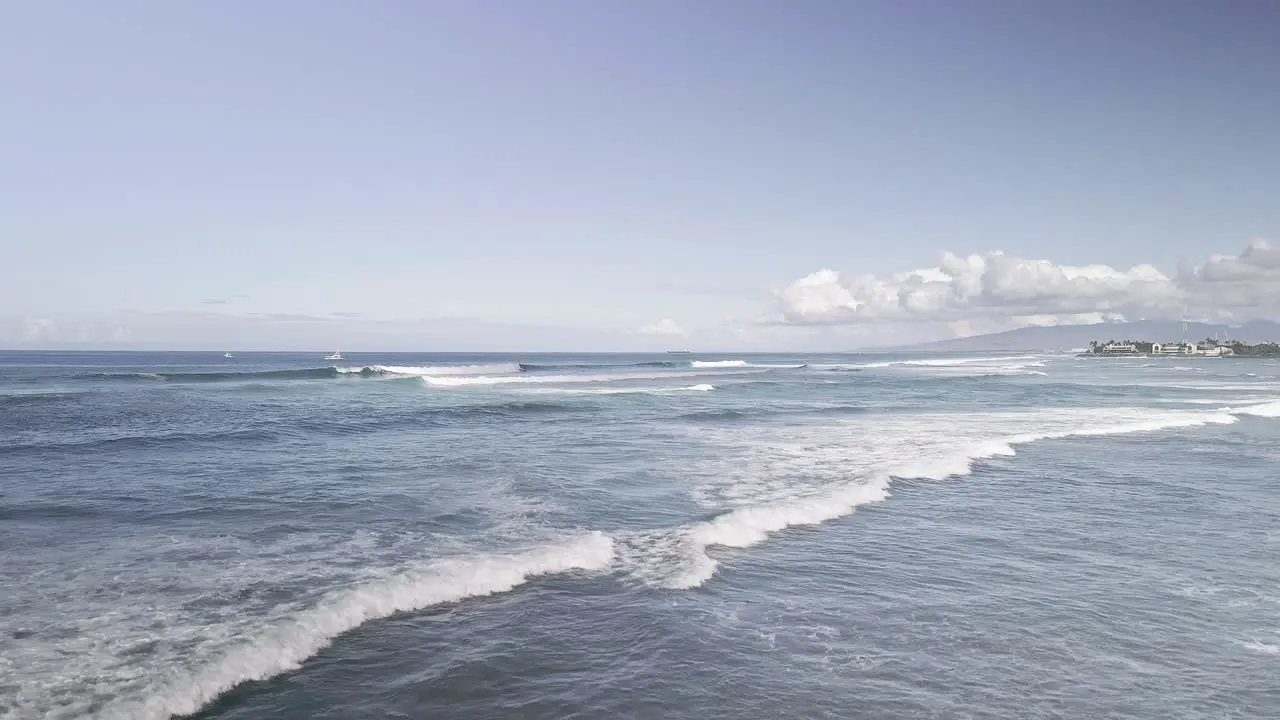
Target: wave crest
(289, 642)
(432, 370)
(678, 559)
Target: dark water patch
(717, 415)
(38, 399)
(513, 411)
(48, 511)
(142, 442)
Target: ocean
(638, 536)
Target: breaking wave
(287, 643)
(432, 370)
(197, 377)
(742, 364)
(678, 559)
(527, 379)
(534, 367)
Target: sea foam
(289, 642)
(434, 370)
(530, 379)
(742, 364)
(678, 559)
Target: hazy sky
(532, 175)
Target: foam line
(287, 644)
(749, 525)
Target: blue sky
(566, 173)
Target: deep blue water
(551, 536)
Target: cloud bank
(664, 327)
(996, 289)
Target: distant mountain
(1067, 337)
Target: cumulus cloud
(1239, 287)
(1003, 289)
(665, 326)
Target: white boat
(337, 355)
(226, 355)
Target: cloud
(665, 326)
(1240, 287)
(290, 317)
(998, 289)
(39, 329)
(213, 301)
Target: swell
(707, 364)
(744, 414)
(531, 379)
(539, 367)
(512, 411)
(25, 399)
(317, 373)
(143, 441)
(285, 644)
(205, 377)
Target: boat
(679, 352)
(337, 355)
(226, 355)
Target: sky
(585, 175)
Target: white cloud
(1240, 287)
(995, 290)
(665, 326)
(39, 329)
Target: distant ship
(679, 352)
(226, 355)
(337, 355)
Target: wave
(535, 367)
(39, 398)
(1264, 410)
(318, 373)
(512, 411)
(142, 441)
(285, 645)
(431, 370)
(683, 558)
(742, 364)
(196, 377)
(525, 378)
(1261, 647)
(930, 362)
(703, 387)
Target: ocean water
(639, 536)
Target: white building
(1174, 349)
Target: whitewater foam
(290, 641)
(526, 378)
(1261, 647)
(678, 559)
(703, 387)
(433, 370)
(742, 364)
(1265, 410)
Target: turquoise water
(878, 536)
